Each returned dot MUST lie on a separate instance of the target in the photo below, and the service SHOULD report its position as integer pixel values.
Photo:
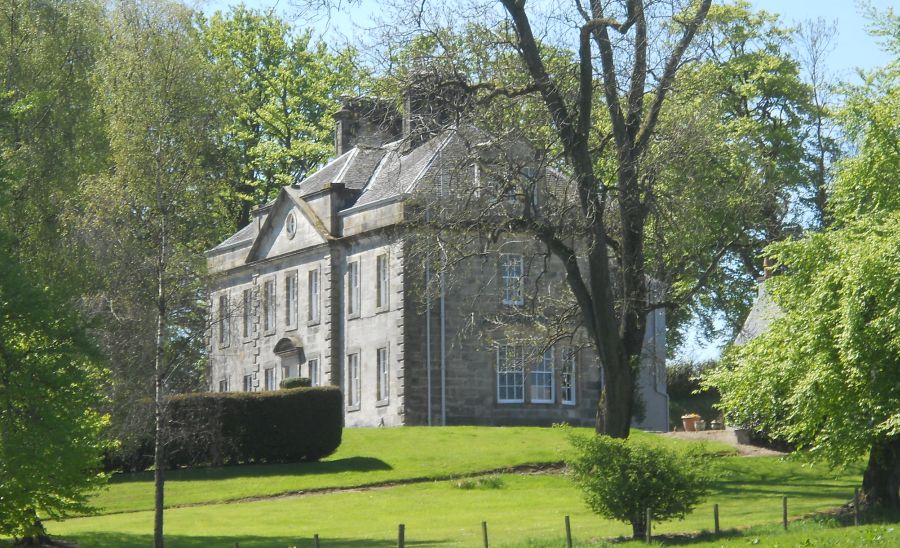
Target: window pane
(290, 312)
(567, 376)
(510, 374)
(353, 290)
(542, 379)
(381, 268)
(248, 312)
(223, 319)
(353, 380)
(314, 372)
(269, 305)
(511, 272)
(382, 373)
(313, 310)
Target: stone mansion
(318, 285)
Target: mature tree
(54, 134)
(151, 216)
(51, 382)
(681, 156)
(281, 89)
(826, 375)
(734, 139)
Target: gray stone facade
(318, 286)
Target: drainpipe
(443, 316)
(428, 335)
(443, 356)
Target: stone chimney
(433, 101)
(365, 121)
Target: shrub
(295, 382)
(234, 427)
(483, 482)
(620, 479)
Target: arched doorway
(290, 352)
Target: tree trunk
(616, 397)
(638, 528)
(158, 465)
(158, 409)
(881, 480)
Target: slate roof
(762, 314)
(246, 234)
(399, 171)
(383, 172)
(353, 169)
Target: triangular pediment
(290, 225)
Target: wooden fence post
(484, 533)
(649, 534)
(716, 517)
(568, 533)
(401, 534)
(316, 540)
(784, 511)
(856, 506)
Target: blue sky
(854, 47)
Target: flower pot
(690, 422)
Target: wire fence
(317, 542)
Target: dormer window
(290, 225)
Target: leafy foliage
(826, 375)
(621, 479)
(280, 90)
(51, 383)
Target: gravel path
(727, 436)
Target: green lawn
(520, 510)
(366, 457)
(439, 513)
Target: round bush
(621, 479)
(295, 382)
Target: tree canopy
(826, 374)
(51, 385)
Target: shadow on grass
(118, 540)
(337, 466)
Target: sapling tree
(624, 479)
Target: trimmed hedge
(295, 382)
(233, 427)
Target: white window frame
(287, 371)
(354, 299)
(568, 376)
(314, 374)
(353, 381)
(313, 295)
(223, 385)
(541, 377)
(224, 324)
(248, 328)
(382, 281)
(269, 381)
(510, 373)
(269, 306)
(291, 299)
(248, 383)
(382, 375)
(512, 282)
